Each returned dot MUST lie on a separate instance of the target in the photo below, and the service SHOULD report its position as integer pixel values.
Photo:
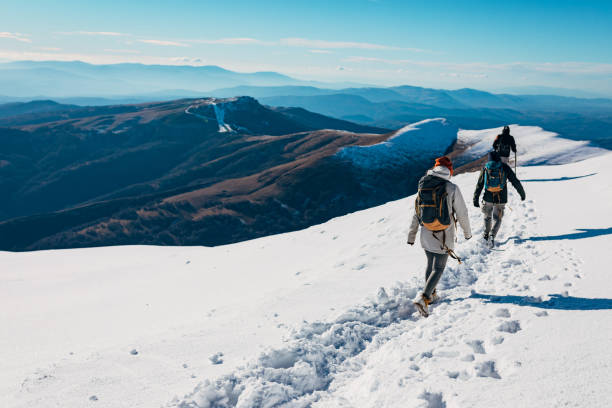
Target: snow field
(281, 321)
(429, 137)
(381, 354)
(534, 146)
(340, 363)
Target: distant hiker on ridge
(438, 206)
(493, 178)
(503, 143)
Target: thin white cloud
(94, 33)
(560, 67)
(92, 58)
(320, 51)
(317, 46)
(231, 41)
(322, 44)
(569, 67)
(164, 43)
(121, 51)
(14, 36)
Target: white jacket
(456, 208)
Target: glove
(476, 203)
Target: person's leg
(430, 263)
(434, 278)
(498, 213)
(487, 209)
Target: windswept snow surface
(219, 114)
(219, 111)
(534, 146)
(323, 317)
(429, 137)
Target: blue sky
(447, 44)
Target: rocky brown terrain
(188, 172)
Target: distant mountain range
(53, 79)
(78, 83)
(193, 171)
(574, 118)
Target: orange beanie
(446, 162)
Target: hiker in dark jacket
(438, 245)
(503, 144)
(494, 179)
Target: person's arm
(479, 186)
(461, 213)
(496, 143)
(515, 181)
(512, 144)
(414, 227)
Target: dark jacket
(502, 196)
(503, 144)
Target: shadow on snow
(556, 301)
(582, 233)
(556, 179)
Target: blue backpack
(494, 178)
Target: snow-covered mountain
(408, 144)
(322, 317)
(535, 146)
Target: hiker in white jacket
(440, 244)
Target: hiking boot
(434, 297)
(422, 304)
(491, 242)
(485, 236)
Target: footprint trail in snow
(341, 363)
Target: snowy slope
(534, 146)
(529, 323)
(411, 143)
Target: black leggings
(436, 264)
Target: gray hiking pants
(435, 266)
(495, 212)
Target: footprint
(434, 399)
(511, 326)
(497, 340)
(487, 369)
(426, 354)
(447, 354)
(468, 357)
(476, 346)
(541, 313)
(502, 312)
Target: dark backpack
(431, 203)
(494, 178)
(503, 148)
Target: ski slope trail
(382, 354)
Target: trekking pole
(515, 163)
